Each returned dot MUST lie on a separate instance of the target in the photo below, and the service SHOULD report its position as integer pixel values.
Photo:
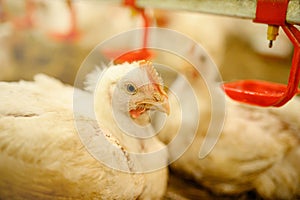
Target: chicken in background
(37, 51)
(29, 18)
(219, 35)
(42, 155)
(258, 149)
(31, 51)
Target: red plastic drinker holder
(263, 93)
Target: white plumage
(41, 154)
(258, 149)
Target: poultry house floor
(183, 189)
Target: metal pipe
(233, 8)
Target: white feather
(258, 149)
(41, 153)
(93, 77)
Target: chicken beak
(162, 106)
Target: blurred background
(55, 36)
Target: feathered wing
(282, 180)
(253, 142)
(41, 154)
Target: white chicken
(258, 149)
(41, 154)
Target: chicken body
(258, 149)
(42, 157)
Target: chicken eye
(131, 89)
